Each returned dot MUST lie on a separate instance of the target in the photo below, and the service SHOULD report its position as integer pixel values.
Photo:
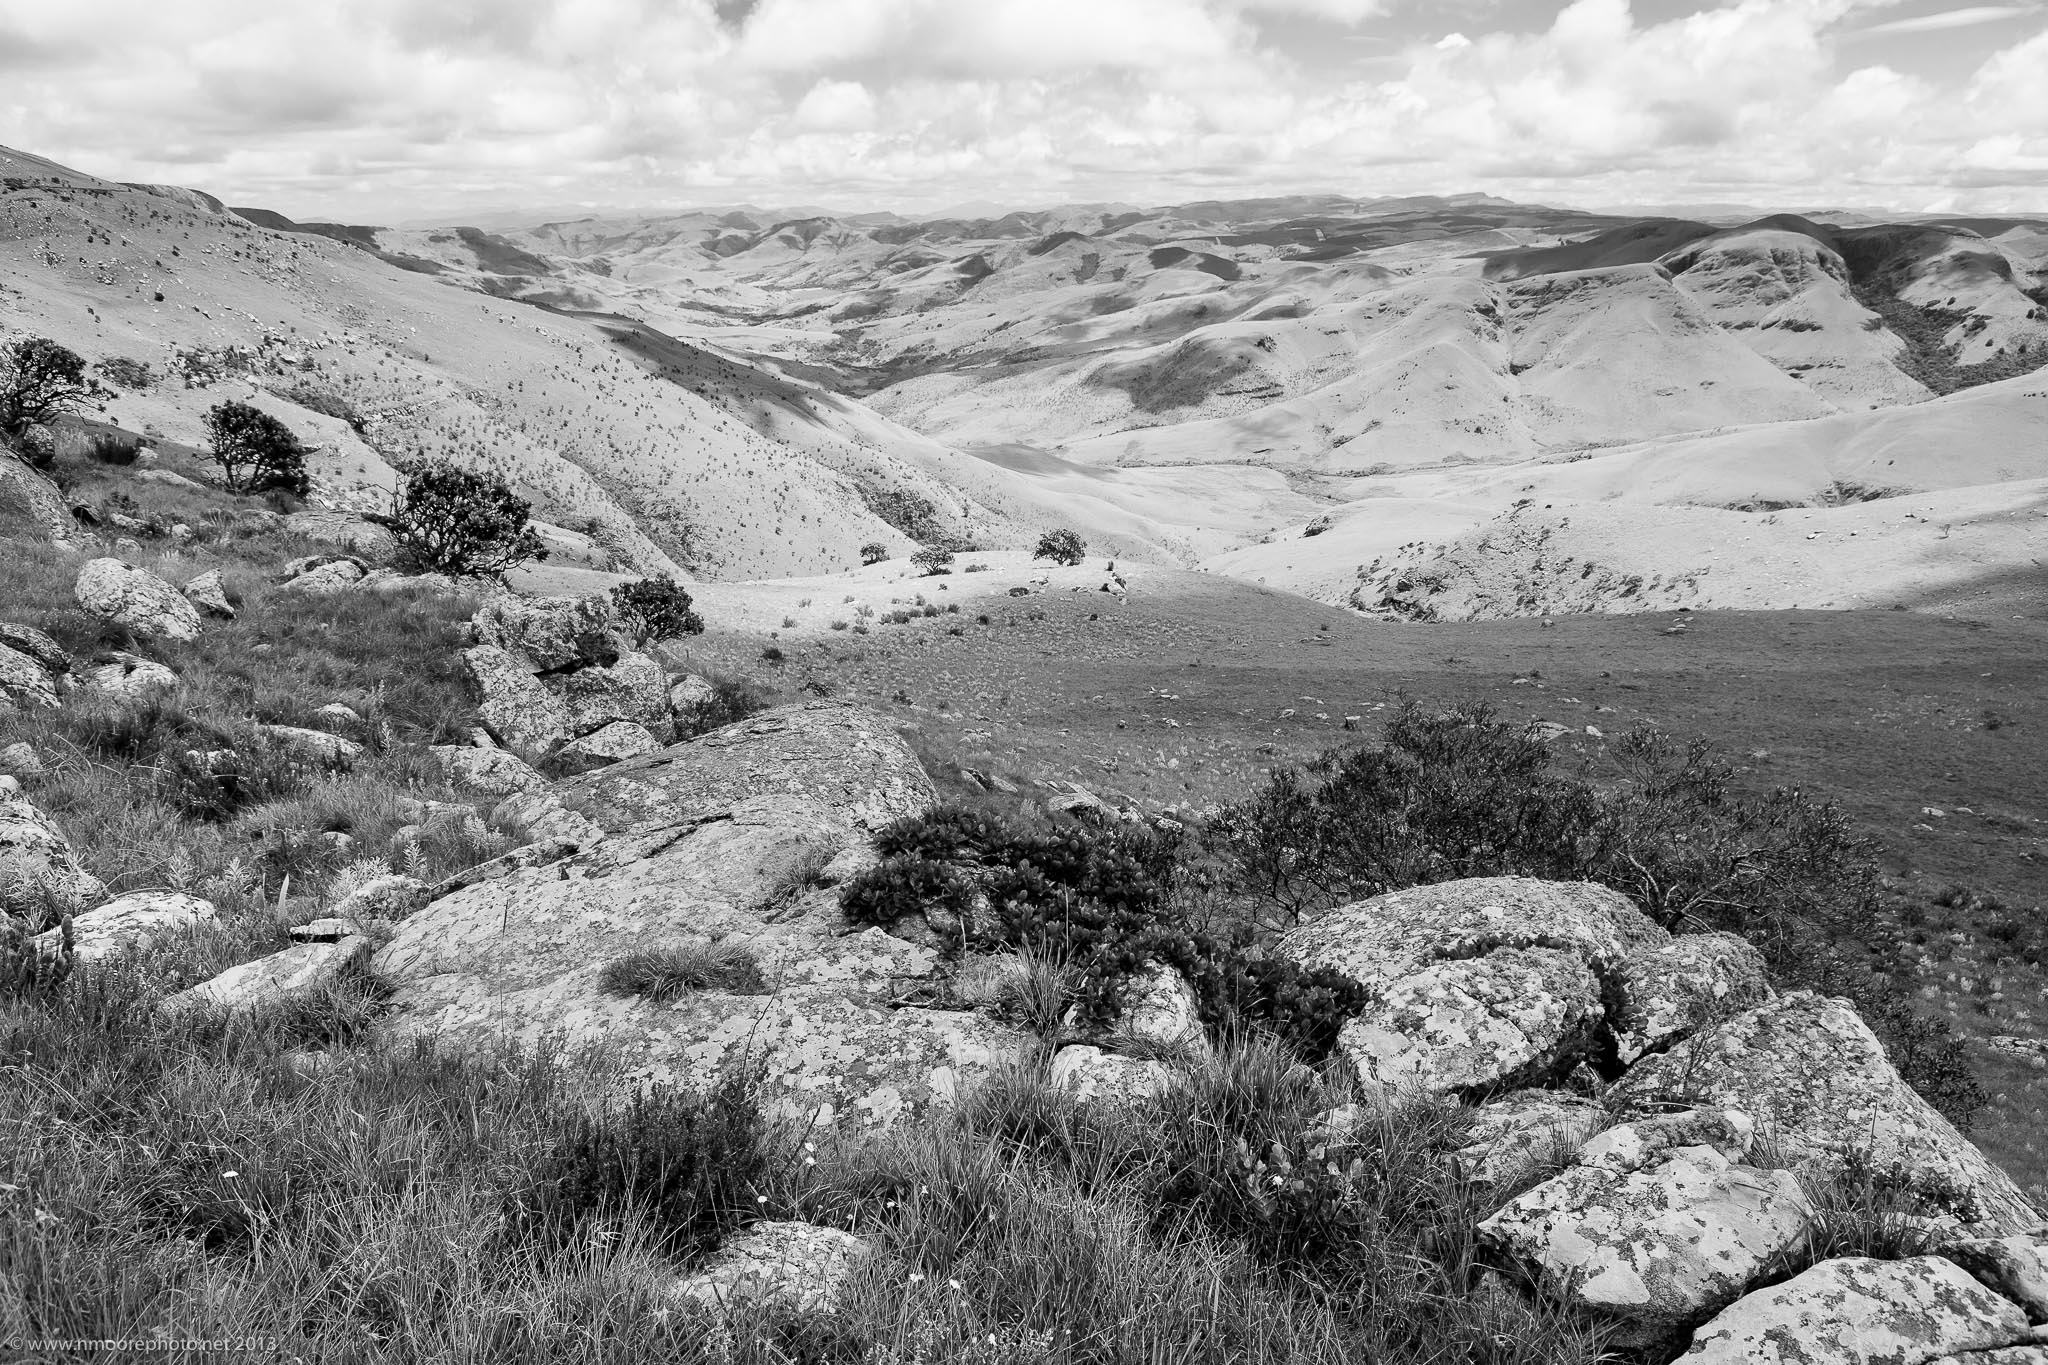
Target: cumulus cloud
(387, 109)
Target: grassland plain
(1925, 730)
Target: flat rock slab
(130, 923)
(300, 972)
(1812, 1074)
(798, 1265)
(834, 754)
(1859, 1311)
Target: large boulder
(1814, 1076)
(551, 634)
(490, 772)
(25, 685)
(136, 600)
(1669, 990)
(38, 870)
(131, 923)
(1656, 1225)
(634, 690)
(713, 845)
(515, 706)
(1477, 984)
(1859, 1311)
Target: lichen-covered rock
(620, 740)
(1627, 1147)
(129, 677)
(832, 753)
(1509, 1017)
(37, 866)
(1379, 941)
(1812, 1074)
(1529, 1125)
(513, 703)
(1860, 1311)
(323, 575)
(130, 923)
(1660, 1247)
(50, 656)
(548, 634)
(136, 600)
(2007, 1355)
(24, 683)
(2016, 1267)
(491, 772)
(313, 746)
(21, 760)
(1091, 1075)
(687, 695)
(1670, 989)
(520, 957)
(210, 596)
(798, 1266)
(390, 897)
(300, 972)
(542, 817)
(634, 689)
(345, 529)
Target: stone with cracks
(314, 746)
(321, 576)
(2016, 1267)
(207, 593)
(129, 677)
(633, 689)
(1656, 1235)
(1812, 1074)
(832, 753)
(37, 866)
(513, 703)
(798, 1266)
(24, 684)
(1671, 989)
(136, 600)
(1511, 1017)
(620, 740)
(303, 971)
(1529, 1125)
(1860, 1311)
(1091, 1075)
(711, 844)
(491, 772)
(130, 923)
(550, 634)
(51, 656)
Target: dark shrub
(656, 609)
(112, 448)
(874, 552)
(1061, 547)
(731, 699)
(256, 452)
(452, 520)
(40, 381)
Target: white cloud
(1940, 21)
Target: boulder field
(1655, 1116)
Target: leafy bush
(129, 374)
(255, 451)
(663, 974)
(452, 520)
(874, 552)
(40, 381)
(107, 447)
(687, 1163)
(933, 560)
(731, 700)
(656, 609)
(1061, 547)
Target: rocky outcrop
(1858, 1311)
(1670, 990)
(704, 839)
(516, 707)
(38, 870)
(634, 690)
(798, 1266)
(136, 600)
(552, 634)
(1811, 1073)
(616, 742)
(1656, 1225)
(1478, 983)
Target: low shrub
(668, 973)
(731, 700)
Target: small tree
(656, 609)
(450, 520)
(874, 552)
(1061, 547)
(40, 381)
(254, 450)
(933, 560)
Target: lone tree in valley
(40, 381)
(254, 450)
(933, 560)
(453, 521)
(656, 609)
(874, 552)
(1061, 547)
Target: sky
(390, 111)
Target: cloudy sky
(394, 110)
